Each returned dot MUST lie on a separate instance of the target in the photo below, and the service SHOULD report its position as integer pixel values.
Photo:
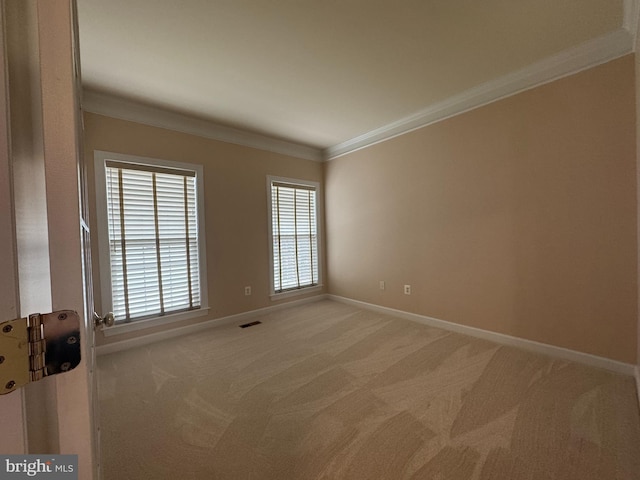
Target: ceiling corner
(568, 62)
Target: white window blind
(153, 240)
(295, 236)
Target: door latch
(38, 346)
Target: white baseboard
(199, 327)
(551, 350)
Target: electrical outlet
(247, 290)
(381, 284)
(407, 289)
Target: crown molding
(116, 107)
(589, 54)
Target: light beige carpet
(328, 391)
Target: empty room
(330, 240)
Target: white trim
(116, 107)
(631, 11)
(589, 54)
(319, 215)
(120, 328)
(199, 327)
(543, 348)
(299, 291)
(100, 157)
(14, 420)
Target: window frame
(319, 202)
(104, 258)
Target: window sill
(119, 329)
(295, 293)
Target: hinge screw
(10, 385)
(71, 340)
(62, 316)
(7, 328)
(65, 366)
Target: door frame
(43, 157)
(12, 423)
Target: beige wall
(235, 207)
(518, 217)
(637, 92)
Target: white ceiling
(321, 72)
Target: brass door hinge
(38, 346)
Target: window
(151, 237)
(293, 207)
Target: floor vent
(250, 324)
